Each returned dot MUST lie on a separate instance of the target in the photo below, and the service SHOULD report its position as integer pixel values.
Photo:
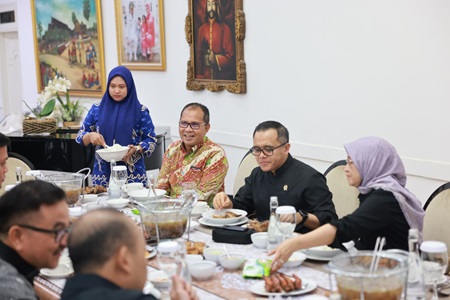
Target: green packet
(256, 268)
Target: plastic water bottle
(416, 284)
(273, 234)
(113, 188)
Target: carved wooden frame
(237, 86)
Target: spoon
(226, 252)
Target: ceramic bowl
(159, 279)
(115, 152)
(117, 203)
(88, 198)
(213, 254)
(92, 205)
(234, 262)
(295, 260)
(259, 239)
(143, 195)
(202, 270)
(133, 186)
(193, 258)
(199, 208)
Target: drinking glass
(434, 263)
(286, 220)
(189, 193)
(120, 176)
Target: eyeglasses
(59, 233)
(268, 151)
(194, 125)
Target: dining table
(223, 284)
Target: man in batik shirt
(194, 158)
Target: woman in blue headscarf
(119, 118)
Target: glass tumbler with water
(286, 220)
(434, 263)
(120, 176)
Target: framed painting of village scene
(69, 43)
(215, 31)
(140, 34)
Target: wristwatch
(304, 215)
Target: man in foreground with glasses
(279, 174)
(195, 158)
(108, 255)
(34, 222)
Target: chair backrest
(436, 224)
(248, 163)
(345, 197)
(15, 160)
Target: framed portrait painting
(140, 34)
(68, 41)
(215, 31)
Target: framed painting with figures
(140, 34)
(68, 41)
(215, 31)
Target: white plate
(63, 269)
(323, 251)
(313, 257)
(259, 289)
(206, 222)
(210, 212)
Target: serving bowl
(213, 254)
(115, 152)
(133, 186)
(259, 239)
(117, 203)
(295, 260)
(143, 195)
(202, 270)
(217, 216)
(88, 198)
(234, 262)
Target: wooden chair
(248, 163)
(345, 197)
(436, 225)
(15, 160)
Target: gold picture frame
(68, 42)
(141, 42)
(216, 63)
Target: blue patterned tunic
(143, 134)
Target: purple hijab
(116, 120)
(380, 167)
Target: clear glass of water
(189, 193)
(286, 220)
(434, 263)
(120, 176)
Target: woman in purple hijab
(387, 209)
(121, 119)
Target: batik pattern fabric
(142, 134)
(206, 165)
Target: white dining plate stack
(213, 218)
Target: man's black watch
(304, 215)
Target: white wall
(331, 71)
